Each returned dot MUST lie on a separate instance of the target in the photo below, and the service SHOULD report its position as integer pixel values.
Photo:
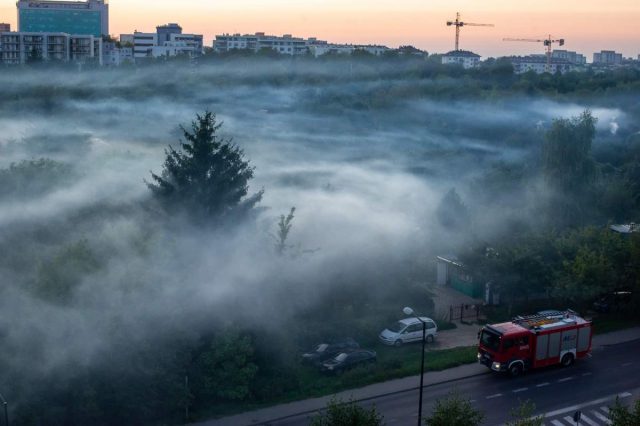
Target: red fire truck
(533, 341)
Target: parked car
(612, 301)
(346, 360)
(409, 330)
(324, 351)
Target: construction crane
(459, 24)
(548, 44)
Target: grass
(607, 323)
(393, 363)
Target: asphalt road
(590, 385)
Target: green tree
(228, 368)
(340, 413)
(32, 178)
(454, 411)
(58, 277)
(523, 416)
(568, 167)
(621, 415)
(452, 212)
(208, 177)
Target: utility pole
(6, 410)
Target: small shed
(451, 272)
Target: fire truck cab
(535, 341)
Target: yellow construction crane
(548, 44)
(459, 24)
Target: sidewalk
(386, 388)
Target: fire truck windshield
(490, 340)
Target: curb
(398, 392)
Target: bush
(339, 413)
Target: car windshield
(341, 357)
(490, 340)
(397, 327)
(321, 348)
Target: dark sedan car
(324, 351)
(347, 360)
(613, 301)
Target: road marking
(586, 419)
(577, 407)
(605, 409)
(566, 379)
(542, 384)
(626, 364)
(586, 374)
(557, 423)
(601, 417)
(472, 401)
(520, 390)
(498, 395)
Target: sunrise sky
(587, 25)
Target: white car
(409, 330)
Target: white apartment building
(320, 48)
(114, 56)
(289, 45)
(538, 64)
(143, 44)
(20, 47)
(146, 45)
(286, 45)
(175, 49)
(461, 57)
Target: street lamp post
(6, 411)
(408, 311)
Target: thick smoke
(366, 179)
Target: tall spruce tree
(208, 176)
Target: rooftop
(461, 53)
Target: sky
(587, 25)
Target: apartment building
(22, 47)
(538, 64)
(607, 57)
(465, 58)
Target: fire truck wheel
(430, 338)
(515, 370)
(567, 360)
(398, 343)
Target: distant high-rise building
(87, 17)
(568, 55)
(607, 57)
(5, 28)
(165, 31)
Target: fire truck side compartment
(554, 345)
(541, 347)
(584, 338)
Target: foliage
(340, 413)
(568, 167)
(208, 176)
(454, 411)
(524, 415)
(284, 227)
(58, 277)
(228, 368)
(31, 178)
(621, 415)
(452, 213)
